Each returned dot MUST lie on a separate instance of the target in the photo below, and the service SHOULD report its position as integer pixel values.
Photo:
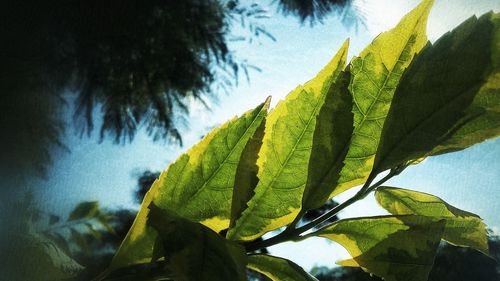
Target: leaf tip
(267, 102)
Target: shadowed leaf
(332, 134)
(278, 269)
(42, 260)
(395, 248)
(195, 252)
(246, 175)
(462, 228)
(284, 156)
(375, 75)
(449, 97)
(198, 185)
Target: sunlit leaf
(284, 156)
(246, 175)
(137, 247)
(449, 97)
(462, 228)
(198, 185)
(278, 269)
(334, 126)
(195, 252)
(375, 76)
(395, 248)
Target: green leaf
(278, 269)
(449, 98)
(284, 156)
(246, 175)
(35, 257)
(137, 247)
(395, 248)
(195, 252)
(462, 228)
(84, 210)
(198, 185)
(485, 125)
(375, 75)
(334, 126)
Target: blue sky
(105, 172)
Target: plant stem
(292, 234)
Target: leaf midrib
(391, 72)
(199, 190)
(244, 218)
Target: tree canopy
(130, 64)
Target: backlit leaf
(395, 248)
(462, 228)
(201, 189)
(333, 132)
(137, 247)
(246, 175)
(284, 155)
(278, 269)
(375, 75)
(198, 185)
(195, 252)
(449, 98)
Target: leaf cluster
(359, 123)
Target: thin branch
(293, 234)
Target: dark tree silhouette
(144, 182)
(315, 11)
(130, 63)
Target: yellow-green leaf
(278, 269)
(375, 76)
(462, 228)
(202, 188)
(395, 248)
(195, 252)
(198, 185)
(284, 155)
(449, 98)
(246, 175)
(334, 126)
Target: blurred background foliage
(90, 235)
(125, 64)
